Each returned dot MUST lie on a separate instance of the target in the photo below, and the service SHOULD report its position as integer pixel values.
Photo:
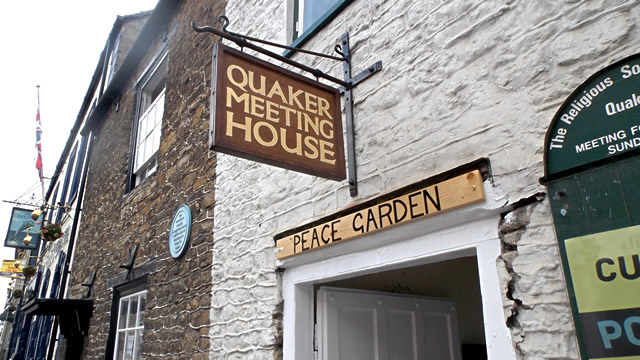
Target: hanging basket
(52, 232)
(17, 294)
(29, 271)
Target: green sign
(601, 119)
(596, 215)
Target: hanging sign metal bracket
(348, 107)
(346, 85)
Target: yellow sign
(605, 272)
(10, 267)
(452, 193)
(605, 269)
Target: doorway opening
(455, 281)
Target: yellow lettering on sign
(243, 76)
(232, 124)
(306, 129)
(458, 191)
(240, 99)
(324, 107)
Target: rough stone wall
(460, 80)
(179, 291)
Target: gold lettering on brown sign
(449, 194)
(271, 115)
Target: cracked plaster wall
(534, 297)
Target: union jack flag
(38, 139)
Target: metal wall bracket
(348, 107)
(131, 260)
(90, 284)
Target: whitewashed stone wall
(461, 80)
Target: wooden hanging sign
(265, 113)
(434, 199)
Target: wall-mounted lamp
(35, 214)
(27, 238)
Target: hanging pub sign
(23, 232)
(599, 120)
(422, 202)
(271, 115)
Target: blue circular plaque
(180, 231)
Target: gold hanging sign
(265, 113)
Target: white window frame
(468, 231)
(149, 133)
(146, 165)
(111, 67)
(138, 326)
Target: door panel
(360, 325)
(401, 337)
(357, 324)
(438, 337)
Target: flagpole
(39, 146)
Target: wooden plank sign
(434, 199)
(271, 115)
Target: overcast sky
(54, 44)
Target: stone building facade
(118, 216)
(466, 91)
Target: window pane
(156, 137)
(128, 351)
(146, 101)
(119, 346)
(141, 129)
(122, 322)
(148, 148)
(160, 110)
(143, 303)
(152, 118)
(147, 122)
(313, 10)
(133, 312)
(140, 155)
(153, 145)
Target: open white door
(367, 325)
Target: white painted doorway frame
(468, 231)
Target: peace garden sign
(592, 170)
